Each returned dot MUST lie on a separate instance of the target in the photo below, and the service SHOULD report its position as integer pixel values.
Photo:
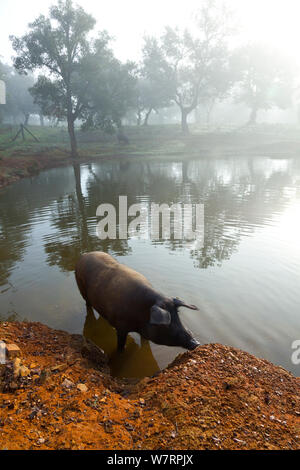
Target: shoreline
(215, 397)
(29, 159)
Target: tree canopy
(264, 78)
(197, 58)
(155, 89)
(58, 45)
(19, 101)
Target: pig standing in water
(126, 299)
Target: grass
(18, 158)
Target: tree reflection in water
(46, 223)
(237, 199)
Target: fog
(273, 21)
(251, 66)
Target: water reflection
(73, 221)
(236, 279)
(136, 360)
(237, 197)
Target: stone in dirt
(67, 383)
(59, 368)
(24, 371)
(16, 366)
(12, 351)
(82, 388)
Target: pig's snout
(193, 344)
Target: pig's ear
(159, 316)
(179, 303)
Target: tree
(264, 78)
(58, 44)
(19, 101)
(50, 96)
(19, 98)
(195, 58)
(218, 86)
(143, 100)
(155, 89)
(110, 95)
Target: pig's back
(116, 291)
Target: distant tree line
(19, 101)
(80, 80)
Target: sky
(273, 21)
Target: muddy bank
(58, 395)
(20, 166)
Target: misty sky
(275, 21)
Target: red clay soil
(215, 397)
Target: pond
(245, 280)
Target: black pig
(127, 300)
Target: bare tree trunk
(27, 116)
(71, 119)
(253, 116)
(41, 120)
(139, 118)
(147, 117)
(209, 111)
(72, 136)
(208, 118)
(184, 124)
(122, 139)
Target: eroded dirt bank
(58, 395)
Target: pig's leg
(90, 311)
(122, 335)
